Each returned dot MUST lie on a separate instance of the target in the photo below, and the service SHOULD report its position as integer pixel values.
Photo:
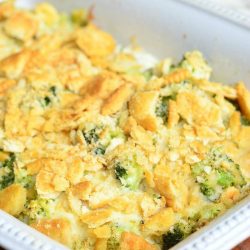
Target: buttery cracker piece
(102, 232)
(123, 62)
(58, 229)
(243, 159)
(142, 137)
(69, 99)
(21, 25)
(6, 9)
(151, 205)
(142, 109)
(75, 170)
(230, 195)
(171, 186)
(198, 147)
(117, 99)
(243, 137)
(12, 199)
(176, 76)
(95, 42)
(3, 156)
(60, 183)
(198, 110)
(159, 222)
(52, 177)
(13, 66)
(102, 85)
(216, 88)
(96, 218)
(131, 241)
(47, 13)
(84, 103)
(101, 244)
(82, 190)
(129, 124)
(35, 166)
(235, 123)
(173, 116)
(155, 84)
(125, 204)
(44, 182)
(5, 85)
(47, 43)
(62, 57)
(244, 99)
(205, 133)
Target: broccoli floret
(196, 65)
(21, 177)
(79, 17)
(216, 173)
(244, 121)
(225, 179)
(207, 190)
(128, 173)
(161, 109)
(172, 238)
(176, 234)
(7, 175)
(120, 171)
(91, 136)
(53, 90)
(187, 226)
(100, 150)
(148, 74)
(114, 241)
(47, 100)
(39, 208)
(208, 213)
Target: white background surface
(242, 6)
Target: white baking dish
(164, 28)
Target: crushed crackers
(100, 149)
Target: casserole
(85, 138)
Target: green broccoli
(47, 100)
(176, 233)
(114, 241)
(53, 90)
(120, 171)
(208, 191)
(148, 74)
(79, 17)
(244, 121)
(195, 63)
(172, 237)
(7, 175)
(216, 173)
(128, 173)
(21, 177)
(39, 208)
(161, 109)
(100, 150)
(208, 213)
(91, 136)
(186, 226)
